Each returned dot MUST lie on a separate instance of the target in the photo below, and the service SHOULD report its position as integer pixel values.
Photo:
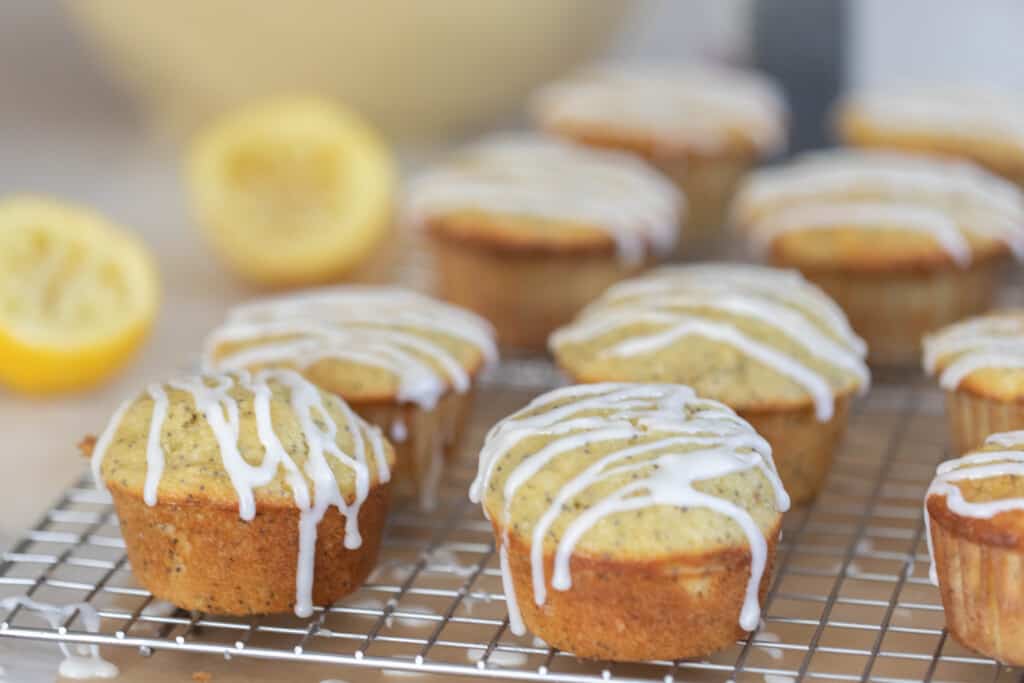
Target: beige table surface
(65, 132)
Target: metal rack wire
(850, 601)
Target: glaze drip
(76, 666)
(213, 399)
(544, 178)
(990, 341)
(675, 301)
(1001, 457)
(873, 190)
(670, 439)
(696, 106)
(380, 327)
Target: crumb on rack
(86, 445)
(202, 676)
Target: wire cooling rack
(850, 601)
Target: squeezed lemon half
(77, 296)
(293, 191)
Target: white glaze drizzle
(398, 432)
(672, 297)
(696, 106)
(1006, 439)
(655, 419)
(988, 341)
(221, 412)
(380, 327)
(883, 190)
(533, 176)
(74, 665)
(985, 464)
(960, 111)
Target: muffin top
(981, 494)
(659, 111)
(873, 209)
(753, 337)
(983, 355)
(528, 192)
(364, 343)
(983, 124)
(240, 440)
(632, 471)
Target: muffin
(765, 342)
(634, 521)
(980, 365)
(703, 126)
(975, 514)
(511, 216)
(403, 361)
(984, 125)
(904, 244)
(245, 494)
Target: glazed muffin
(764, 341)
(703, 126)
(245, 494)
(975, 514)
(980, 365)
(984, 125)
(403, 361)
(904, 244)
(527, 230)
(634, 521)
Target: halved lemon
(293, 191)
(77, 296)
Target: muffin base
(893, 311)
(973, 418)
(981, 586)
(708, 183)
(430, 438)
(802, 447)
(525, 294)
(622, 610)
(204, 557)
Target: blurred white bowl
(417, 69)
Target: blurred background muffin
(979, 362)
(982, 124)
(526, 230)
(702, 126)
(904, 243)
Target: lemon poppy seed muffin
(763, 341)
(245, 494)
(975, 513)
(982, 124)
(703, 126)
(634, 521)
(511, 215)
(905, 244)
(404, 362)
(980, 365)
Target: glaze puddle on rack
(851, 599)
